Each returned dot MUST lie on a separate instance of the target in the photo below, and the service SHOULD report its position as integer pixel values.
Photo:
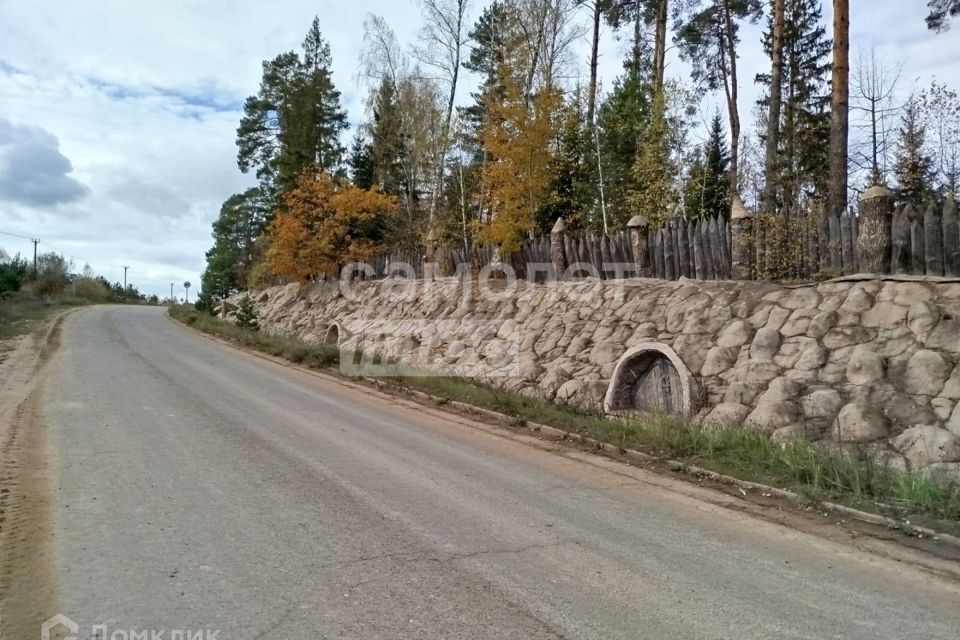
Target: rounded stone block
(727, 414)
(736, 334)
(769, 416)
(765, 345)
(926, 444)
(884, 315)
(860, 423)
(922, 318)
(718, 360)
(865, 367)
(822, 404)
(822, 323)
(926, 373)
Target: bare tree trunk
(594, 54)
(636, 43)
(448, 33)
(463, 206)
(660, 45)
(773, 123)
(839, 108)
(728, 58)
(537, 46)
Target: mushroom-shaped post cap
(738, 210)
(876, 191)
(637, 222)
(560, 226)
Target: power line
(15, 235)
(78, 259)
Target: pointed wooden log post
(640, 239)
(846, 242)
(951, 238)
(900, 241)
(669, 273)
(740, 240)
(933, 240)
(557, 255)
(430, 247)
(823, 232)
(918, 253)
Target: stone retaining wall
(870, 361)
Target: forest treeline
(534, 142)
(52, 275)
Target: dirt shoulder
(26, 587)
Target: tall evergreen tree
(493, 35)
(295, 120)
(708, 40)
(652, 193)
(361, 161)
(621, 119)
(571, 168)
(940, 13)
(913, 166)
(242, 219)
(838, 157)
(707, 191)
(387, 148)
(804, 127)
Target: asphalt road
(197, 487)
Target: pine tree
(708, 40)
(493, 35)
(621, 119)
(319, 112)
(838, 155)
(246, 314)
(805, 94)
(241, 221)
(635, 15)
(707, 191)
(652, 194)
(295, 120)
(913, 166)
(361, 161)
(572, 175)
(387, 148)
(940, 13)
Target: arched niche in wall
(651, 377)
(335, 335)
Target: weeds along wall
(870, 363)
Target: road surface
(195, 487)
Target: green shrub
(91, 290)
(246, 314)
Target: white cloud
(33, 172)
(144, 100)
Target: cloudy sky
(117, 117)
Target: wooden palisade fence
(787, 246)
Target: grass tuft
(314, 356)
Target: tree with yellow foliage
(518, 134)
(324, 225)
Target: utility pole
(125, 277)
(171, 292)
(34, 241)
